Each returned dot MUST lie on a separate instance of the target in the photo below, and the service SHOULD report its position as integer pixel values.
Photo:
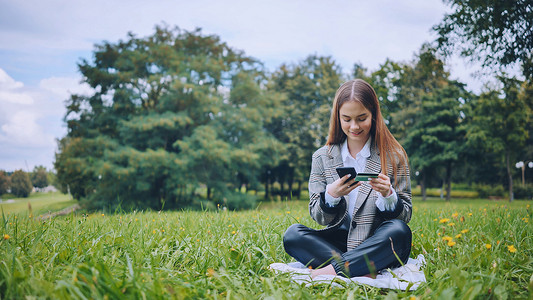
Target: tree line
(180, 115)
(20, 183)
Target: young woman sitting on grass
(367, 221)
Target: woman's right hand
(341, 186)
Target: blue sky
(41, 42)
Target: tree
(493, 32)
(499, 123)
(309, 87)
(39, 177)
(436, 140)
(417, 93)
(165, 118)
(20, 184)
(4, 182)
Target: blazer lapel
(373, 165)
(335, 160)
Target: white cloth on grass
(409, 275)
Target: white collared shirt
(359, 163)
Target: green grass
(41, 203)
(223, 254)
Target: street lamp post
(522, 165)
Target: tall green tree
(309, 87)
(159, 123)
(388, 82)
(20, 184)
(417, 89)
(39, 177)
(497, 33)
(436, 140)
(499, 124)
(4, 182)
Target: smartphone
(343, 171)
(366, 176)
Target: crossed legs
(327, 249)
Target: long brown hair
(382, 139)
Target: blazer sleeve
(321, 212)
(402, 185)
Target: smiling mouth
(357, 133)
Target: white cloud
(22, 130)
(31, 119)
(6, 82)
(10, 90)
(64, 86)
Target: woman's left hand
(381, 184)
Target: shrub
(523, 191)
(433, 192)
(239, 201)
(485, 190)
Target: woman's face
(356, 121)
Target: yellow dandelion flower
(103, 215)
(422, 235)
(288, 212)
(458, 236)
(469, 214)
(451, 243)
(527, 206)
(210, 272)
(447, 238)
(412, 298)
(498, 242)
(435, 220)
(488, 246)
(444, 220)
(6, 236)
(233, 232)
(511, 249)
(455, 214)
(464, 231)
(154, 231)
(451, 224)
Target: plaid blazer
(366, 216)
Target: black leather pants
(320, 248)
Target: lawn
(474, 249)
(41, 203)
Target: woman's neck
(355, 147)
